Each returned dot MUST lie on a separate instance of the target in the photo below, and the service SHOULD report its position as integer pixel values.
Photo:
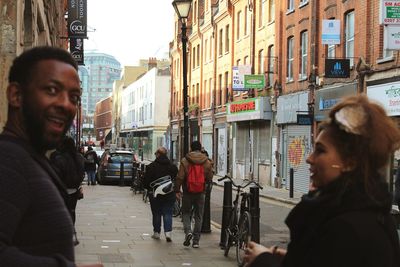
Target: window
(303, 2)
(271, 11)
(290, 5)
(205, 50)
(245, 21)
(198, 55)
(197, 93)
(304, 54)
(261, 61)
(239, 14)
(226, 89)
(271, 57)
(227, 42)
(205, 94)
(151, 111)
(261, 13)
(331, 51)
(220, 42)
(194, 58)
(238, 62)
(386, 53)
(290, 59)
(245, 60)
(220, 89)
(194, 12)
(210, 89)
(350, 37)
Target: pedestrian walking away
(69, 165)
(35, 225)
(91, 162)
(345, 218)
(159, 181)
(195, 171)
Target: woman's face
(325, 162)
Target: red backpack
(195, 180)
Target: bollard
(255, 213)
(206, 224)
(226, 212)
(291, 182)
(121, 174)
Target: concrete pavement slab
(114, 227)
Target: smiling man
(35, 227)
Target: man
(35, 226)
(91, 161)
(193, 159)
(162, 204)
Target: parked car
(109, 169)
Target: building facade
(144, 120)
(103, 120)
(265, 133)
(25, 24)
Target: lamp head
(182, 8)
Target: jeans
(196, 201)
(91, 177)
(162, 208)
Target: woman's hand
(252, 251)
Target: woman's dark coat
(162, 166)
(340, 226)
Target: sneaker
(155, 235)
(168, 236)
(188, 237)
(195, 244)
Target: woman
(345, 220)
(162, 205)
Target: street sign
(254, 81)
(337, 68)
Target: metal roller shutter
(298, 147)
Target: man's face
(50, 102)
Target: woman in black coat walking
(345, 220)
(162, 205)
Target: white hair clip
(351, 119)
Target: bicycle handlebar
(240, 186)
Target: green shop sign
(254, 81)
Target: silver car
(109, 170)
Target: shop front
(294, 122)
(251, 138)
(387, 93)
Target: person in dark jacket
(91, 162)
(69, 165)
(397, 186)
(43, 93)
(345, 220)
(162, 205)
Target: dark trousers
(162, 208)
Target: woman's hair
(364, 136)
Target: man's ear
(14, 95)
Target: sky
(130, 30)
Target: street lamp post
(182, 9)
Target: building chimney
(152, 63)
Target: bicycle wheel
(177, 208)
(230, 233)
(243, 236)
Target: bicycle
(238, 231)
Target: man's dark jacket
(162, 166)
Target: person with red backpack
(195, 171)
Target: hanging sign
(390, 12)
(76, 49)
(77, 18)
(238, 73)
(254, 81)
(330, 31)
(337, 68)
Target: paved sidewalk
(269, 192)
(114, 227)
